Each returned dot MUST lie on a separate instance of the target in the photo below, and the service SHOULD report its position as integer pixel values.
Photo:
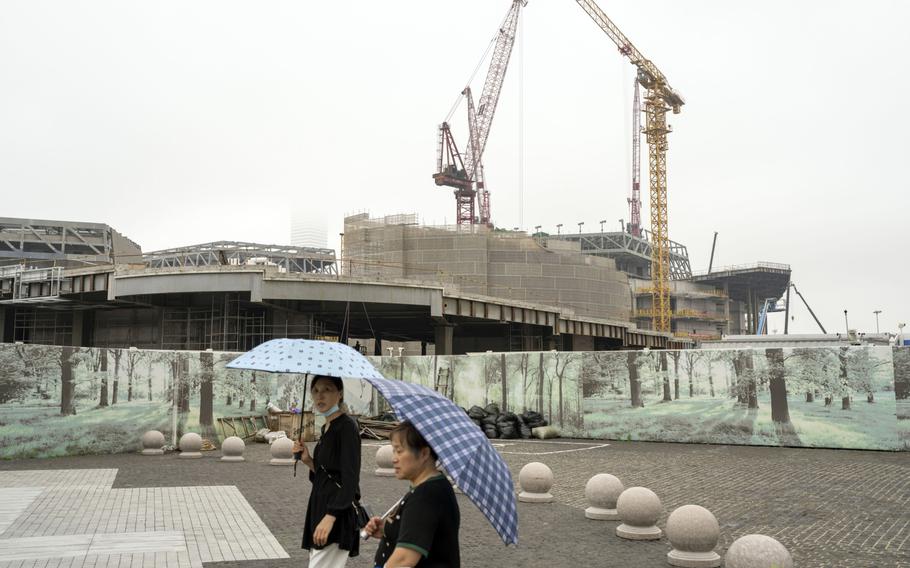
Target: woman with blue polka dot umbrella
(465, 452)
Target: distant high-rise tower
(309, 229)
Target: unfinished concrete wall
(500, 264)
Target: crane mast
(465, 173)
(659, 99)
(635, 200)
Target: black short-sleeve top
(427, 521)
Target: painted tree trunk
(183, 398)
(103, 402)
(711, 384)
(67, 384)
(559, 376)
(676, 377)
(505, 383)
(844, 378)
(753, 389)
(666, 376)
(540, 384)
(634, 384)
(780, 410)
(116, 387)
(206, 393)
(253, 393)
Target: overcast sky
(186, 122)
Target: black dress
(338, 452)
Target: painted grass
(719, 421)
(30, 431)
(40, 431)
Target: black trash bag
(525, 431)
(507, 417)
(509, 430)
(476, 412)
(478, 422)
(492, 408)
(491, 431)
(532, 416)
(489, 419)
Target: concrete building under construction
(503, 293)
(602, 275)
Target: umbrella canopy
(465, 452)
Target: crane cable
(486, 53)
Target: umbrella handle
(363, 533)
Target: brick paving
(831, 508)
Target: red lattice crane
(464, 173)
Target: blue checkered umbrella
(465, 452)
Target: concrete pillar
(2, 324)
(78, 322)
(377, 345)
(423, 347)
(444, 334)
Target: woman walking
(330, 531)
(423, 531)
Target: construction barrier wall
(68, 400)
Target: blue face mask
(328, 412)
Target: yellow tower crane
(659, 98)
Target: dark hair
(407, 433)
(337, 382)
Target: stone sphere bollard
(757, 551)
(384, 462)
(232, 449)
(602, 491)
(152, 443)
(282, 451)
(190, 444)
(535, 480)
(693, 532)
(639, 508)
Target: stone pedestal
(602, 491)
(693, 532)
(232, 449)
(190, 444)
(639, 508)
(384, 466)
(152, 443)
(535, 480)
(757, 551)
(282, 451)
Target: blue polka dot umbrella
(464, 450)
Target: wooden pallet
(242, 426)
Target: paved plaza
(831, 508)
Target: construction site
(467, 287)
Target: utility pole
(876, 312)
(580, 224)
(846, 322)
(602, 221)
(558, 227)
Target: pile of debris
(377, 427)
(505, 425)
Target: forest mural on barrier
(72, 400)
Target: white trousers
(329, 557)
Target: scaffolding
(227, 324)
(234, 253)
(43, 327)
